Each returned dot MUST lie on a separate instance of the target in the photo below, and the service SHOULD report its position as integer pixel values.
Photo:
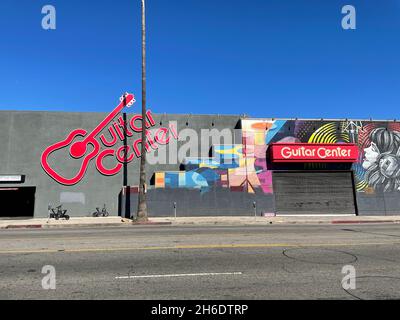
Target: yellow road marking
(200, 246)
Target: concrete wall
(214, 202)
(25, 135)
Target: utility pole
(142, 203)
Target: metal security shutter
(313, 193)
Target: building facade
(198, 165)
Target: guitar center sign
(86, 146)
(312, 152)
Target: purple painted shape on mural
(260, 152)
(264, 175)
(289, 140)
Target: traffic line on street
(181, 275)
(205, 246)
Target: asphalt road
(273, 262)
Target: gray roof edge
(240, 116)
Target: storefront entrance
(312, 192)
(17, 202)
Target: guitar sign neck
(126, 101)
(79, 148)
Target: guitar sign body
(78, 142)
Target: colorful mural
(245, 167)
(381, 157)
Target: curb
(23, 226)
(281, 222)
(363, 221)
(130, 223)
(83, 225)
(151, 223)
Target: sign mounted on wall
(12, 178)
(84, 146)
(313, 152)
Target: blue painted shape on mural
(222, 157)
(210, 175)
(278, 124)
(229, 163)
(225, 163)
(228, 156)
(192, 162)
(227, 151)
(359, 171)
(195, 180)
(172, 179)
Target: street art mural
(381, 160)
(245, 167)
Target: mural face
(246, 167)
(371, 156)
(382, 160)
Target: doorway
(313, 192)
(17, 202)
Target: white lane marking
(182, 275)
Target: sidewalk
(43, 223)
(254, 221)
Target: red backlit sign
(313, 152)
(85, 146)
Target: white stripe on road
(182, 275)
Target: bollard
(255, 209)
(175, 209)
(48, 212)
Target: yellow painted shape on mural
(205, 165)
(234, 150)
(250, 189)
(324, 134)
(159, 180)
(182, 178)
(361, 186)
(259, 138)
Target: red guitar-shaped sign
(78, 142)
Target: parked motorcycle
(58, 213)
(102, 213)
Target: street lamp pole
(142, 203)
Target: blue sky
(265, 58)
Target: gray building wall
(24, 135)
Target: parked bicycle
(102, 213)
(57, 213)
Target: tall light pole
(142, 203)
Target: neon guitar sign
(85, 146)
